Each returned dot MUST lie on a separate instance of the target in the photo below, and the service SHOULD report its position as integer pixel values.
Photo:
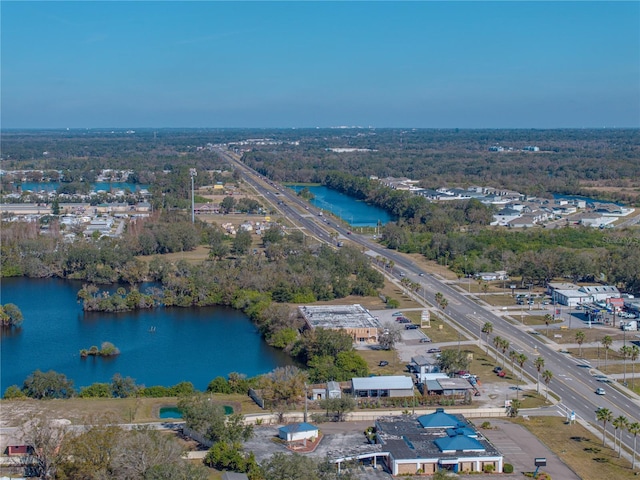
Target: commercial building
(422, 445)
(352, 319)
(382, 386)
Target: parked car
(411, 326)
(396, 314)
(501, 373)
(497, 369)
(383, 363)
(425, 340)
(434, 350)
(600, 391)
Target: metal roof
(440, 419)
(459, 443)
(298, 427)
(387, 382)
(339, 316)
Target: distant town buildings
(516, 210)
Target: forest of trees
(569, 161)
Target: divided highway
(571, 381)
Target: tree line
(582, 254)
(571, 161)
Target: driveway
(520, 447)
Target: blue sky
(307, 64)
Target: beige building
(355, 320)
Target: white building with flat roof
(382, 386)
(355, 320)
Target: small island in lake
(107, 349)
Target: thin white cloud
(213, 37)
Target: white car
(600, 391)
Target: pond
(164, 346)
(355, 212)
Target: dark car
(497, 369)
(411, 326)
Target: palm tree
(504, 346)
(606, 343)
(625, 351)
(512, 356)
(604, 415)
(521, 358)
(634, 429)
(441, 300)
(547, 375)
(539, 364)
(547, 320)
(635, 352)
(497, 341)
(619, 422)
(487, 329)
(580, 336)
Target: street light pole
(193, 173)
(467, 275)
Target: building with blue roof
(440, 419)
(415, 445)
(295, 432)
(458, 442)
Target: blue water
(106, 186)
(170, 412)
(355, 212)
(189, 344)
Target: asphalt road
(571, 381)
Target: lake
(355, 212)
(188, 344)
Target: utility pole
(193, 173)
(306, 397)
